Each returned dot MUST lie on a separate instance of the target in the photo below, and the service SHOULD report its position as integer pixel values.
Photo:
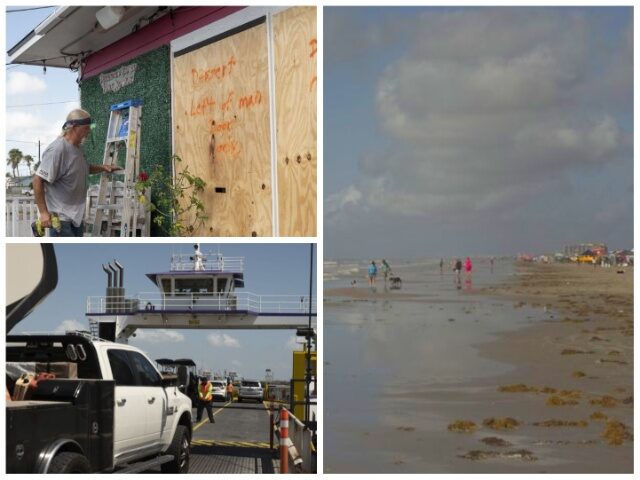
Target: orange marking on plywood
(204, 104)
(313, 43)
(227, 103)
(218, 72)
(230, 148)
(221, 127)
(250, 100)
(313, 83)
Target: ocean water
(376, 349)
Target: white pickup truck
(108, 409)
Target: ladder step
(117, 206)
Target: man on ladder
(60, 183)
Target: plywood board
(221, 128)
(295, 48)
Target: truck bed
(25, 404)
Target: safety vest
(205, 392)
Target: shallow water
(397, 371)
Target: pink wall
(160, 32)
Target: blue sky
(28, 85)
(269, 269)
(471, 131)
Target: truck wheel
(69, 462)
(179, 448)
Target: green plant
(176, 207)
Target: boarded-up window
(295, 46)
(223, 118)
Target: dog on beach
(396, 283)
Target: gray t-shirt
(66, 172)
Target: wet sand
(566, 364)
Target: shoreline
(575, 366)
(577, 339)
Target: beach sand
(569, 369)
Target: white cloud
(236, 363)
(486, 110)
(71, 324)
(158, 336)
(24, 83)
(339, 203)
(222, 340)
(29, 126)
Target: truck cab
(77, 403)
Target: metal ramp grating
(219, 459)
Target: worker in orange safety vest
(205, 397)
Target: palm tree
(15, 157)
(28, 159)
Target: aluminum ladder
(124, 130)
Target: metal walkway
(227, 459)
(238, 441)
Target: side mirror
(169, 381)
(32, 274)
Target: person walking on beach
(373, 271)
(386, 270)
(441, 265)
(468, 266)
(492, 260)
(457, 267)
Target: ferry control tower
(199, 292)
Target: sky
(28, 89)
(476, 131)
(270, 269)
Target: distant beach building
(599, 249)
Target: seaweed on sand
(506, 423)
(514, 454)
(573, 351)
(557, 401)
(570, 393)
(615, 433)
(611, 360)
(561, 423)
(462, 426)
(522, 388)
(605, 401)
(495, 442)
(517, 388)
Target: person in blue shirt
(373, 271)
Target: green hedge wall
(152, 84)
